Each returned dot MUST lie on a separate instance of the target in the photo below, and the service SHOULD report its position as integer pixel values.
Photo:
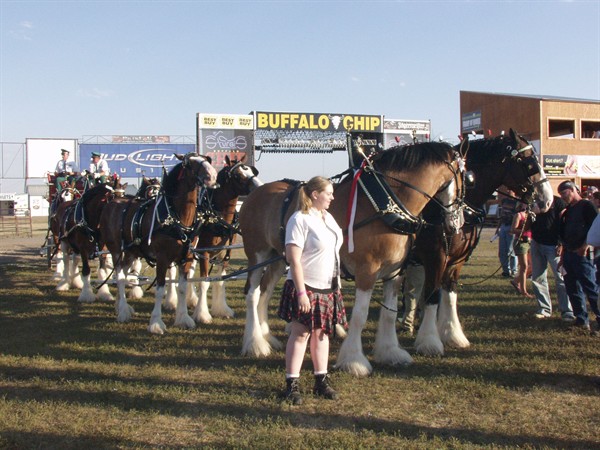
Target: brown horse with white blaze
(161, 231)
(375, 250)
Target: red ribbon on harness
(353, 193)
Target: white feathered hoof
(256, 347)
(157, 327)
(340, 332)
(104, 294)
(136, 293)
(62, 286)
(359, 367)
(275, 343)
(202, 317)
(222, 311)
(456, 340)
(393, 356)
(86, 296)
(125, 313)
(429, 345)
(184, 321)
(192, 297)
(77, 282)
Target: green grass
(72, 377)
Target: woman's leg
(319, 351)
(295, 349)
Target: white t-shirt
(102, 166)
(320, 242)
(65, 166)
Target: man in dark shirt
(580, 279)
(545, 250)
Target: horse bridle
(531, 166)
(205, 162)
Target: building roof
(539, 97)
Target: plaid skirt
(327, 309)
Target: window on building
(561, 128)
(590, 129)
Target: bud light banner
(135, 160)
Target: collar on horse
(388, 207)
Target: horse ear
(254, 170)
(243, 158)
(227, 160)
(179, 157)
(209, 159)
(513, 134)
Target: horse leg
(124, 310)
(103, 292)
(133, 274)
(254, 343)
(87, 294)
(387, 349)
(60, 265)
(63, 284)
(171, 290)
(270, 278)
(351, 357)
(156, 325)
(428, 339)
(182, 318)
(201, 312)
(192, 295)
(449, 326)
(74, 274)
(219, 307)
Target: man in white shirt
(99, 171)
(65, 170)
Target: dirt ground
(23, 249)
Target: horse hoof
(156, 328)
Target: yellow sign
(317, 122)
(226, 121)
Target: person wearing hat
(65, 170)
(99, 170)
(577, 256)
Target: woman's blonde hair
(317, 184)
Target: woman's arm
(293, 254)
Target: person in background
(545, 250)
(98, 171)
(596, 200)
(311, 299)
(412, 287)
(521, 230)
(506, 211)
(65, 170)
(577, 256)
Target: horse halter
(205, 162)
(530, 167)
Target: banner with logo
(226, 135)
(134, 160)
(317, 121)
(584, 166)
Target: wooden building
(564, 131)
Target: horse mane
(93, 192)
(486, 150)
(411, 156)
(171, 179)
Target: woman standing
(311, 298)
(521, 229)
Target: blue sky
(76, 68)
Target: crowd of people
(565, 238)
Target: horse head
(243, 178)
(524, 173)
(149, 188)
(200, 167)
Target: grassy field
(72, 377)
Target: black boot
(323, 388)
(292, 391)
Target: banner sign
(317, 121)
(142, 139)
(226, 121)
(471, 121)
(584, 166)
(403, 132)
(134, 160)
(226, 135)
